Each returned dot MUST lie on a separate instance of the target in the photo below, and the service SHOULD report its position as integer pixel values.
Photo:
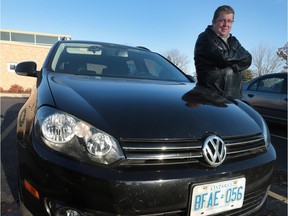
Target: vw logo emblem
(214, 150)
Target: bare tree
(265, 60)
(283, 54)
(178, 59)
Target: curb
(15, 95)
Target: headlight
(58, 128)
(74, 137)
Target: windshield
(114, 61)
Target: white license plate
(217, 197)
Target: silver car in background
(268, 95)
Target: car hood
(133, 108)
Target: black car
(268, 95)
(119, 130)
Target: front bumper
(154, 190)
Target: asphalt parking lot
(277, 199)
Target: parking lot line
(281, 137)
(8, 129)
(278, 197)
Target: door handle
(251, 95)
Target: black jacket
(219, 66)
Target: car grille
(243, 146)
(182, 151)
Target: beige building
(18, 46)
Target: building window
(5, 36)
(39, 39)
(42, 39)
(11, 67)
(19, 37)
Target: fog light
(61, 209)
(67, 212)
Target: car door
(267, 96)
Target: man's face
(222, 25)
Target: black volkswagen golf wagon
(118, 130)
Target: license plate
(217, 197)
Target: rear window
(113, 61)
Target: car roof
(272, 74)
(107, 44)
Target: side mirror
(191, 78)
(28, 68)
